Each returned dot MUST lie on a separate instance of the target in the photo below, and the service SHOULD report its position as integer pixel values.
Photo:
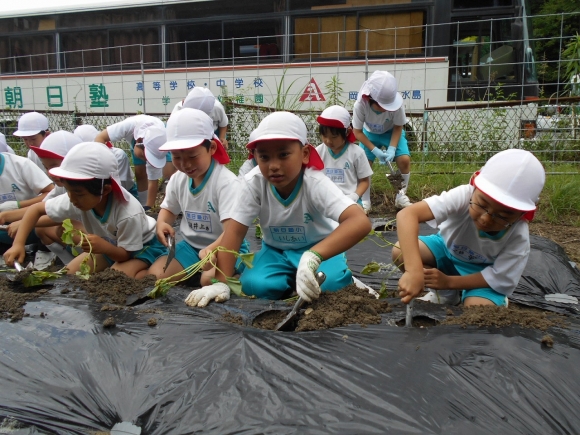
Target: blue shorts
(136, 160)
(450, 265)
(383, 141)
(187, 255)
(133, 191)
(274, 273)
(7, 240)
(152, 250)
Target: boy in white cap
(307, 222)
(32, 129)
(120, 234)
(128, 129)
(22, 184)
(203, 189)
(483, 243)
(153, 137)
(344, 162)
(204, 100)
(88, 133)
(378, 120)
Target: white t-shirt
(205, 207)
(345, 168)
(33, 157)
(363, 115)
(20, 179)
(507, 255)
(125, 128)
(247, 167)
(218, 115)
(125, 172)
(307, 216)
(57, 191)
(124, 223)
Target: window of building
(31, 54)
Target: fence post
(142, 76)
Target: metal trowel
(320, 277)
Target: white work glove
(9, 205)
(354, 196)
(380, 154)
(306, 285)
(218, 291)
(391, 153)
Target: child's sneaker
(446, 297)
(402, 201)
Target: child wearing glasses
(483, 243)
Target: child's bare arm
(232, 238)
(353, 226)
(98, 245)
(437, 280)
(17, 251)
(362, 186)
(37, 199)
(361, 137)
(164, 225)
(411, 283)
(103, 136)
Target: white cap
(154, 138)
(514, 178)
(30, 124)
(201, 99)
(280, 125)
(3, 144)
(86, 132)
(143, 123)
(187, 128)
(56, 145)
(334, 116)
(382, 87)
(90, 160)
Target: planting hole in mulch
(348, 306)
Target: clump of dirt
(231, 318)
(22, 275)
(152, 321)
(109, 322)
(396, 180)
(113, 287)
(11, 302)
(347, 306)
(502, 316)
(548, 341)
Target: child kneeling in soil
(483, 242)
(120, 234)
(307, 222)
(203, 189)
(345, 163)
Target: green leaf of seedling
(371, 267)
(248, 259)
(84, 271)
(161, 288)
(258, 231)
(37, 277)
(235, 286)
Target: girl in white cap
(32, 129)
(483, 243)
(120, 234)
(88, 133)
(307, 222)
(203, 189)
(378, 120)
(344, 162)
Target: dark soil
(350, 305)
(113, 287)
(232, 318)
(396, 180)
(109, 322)
(502, 316)
(12, 302)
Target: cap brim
(497, 195)
(154, 160)
(45, 154)
(395, 105)
(68, 175)
(335, 123)
(21, 133)
(269, 137)
(182, 144)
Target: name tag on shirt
(376, 128)
(295, 234)
(200, 222)
(335, 174)
(7, 197)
